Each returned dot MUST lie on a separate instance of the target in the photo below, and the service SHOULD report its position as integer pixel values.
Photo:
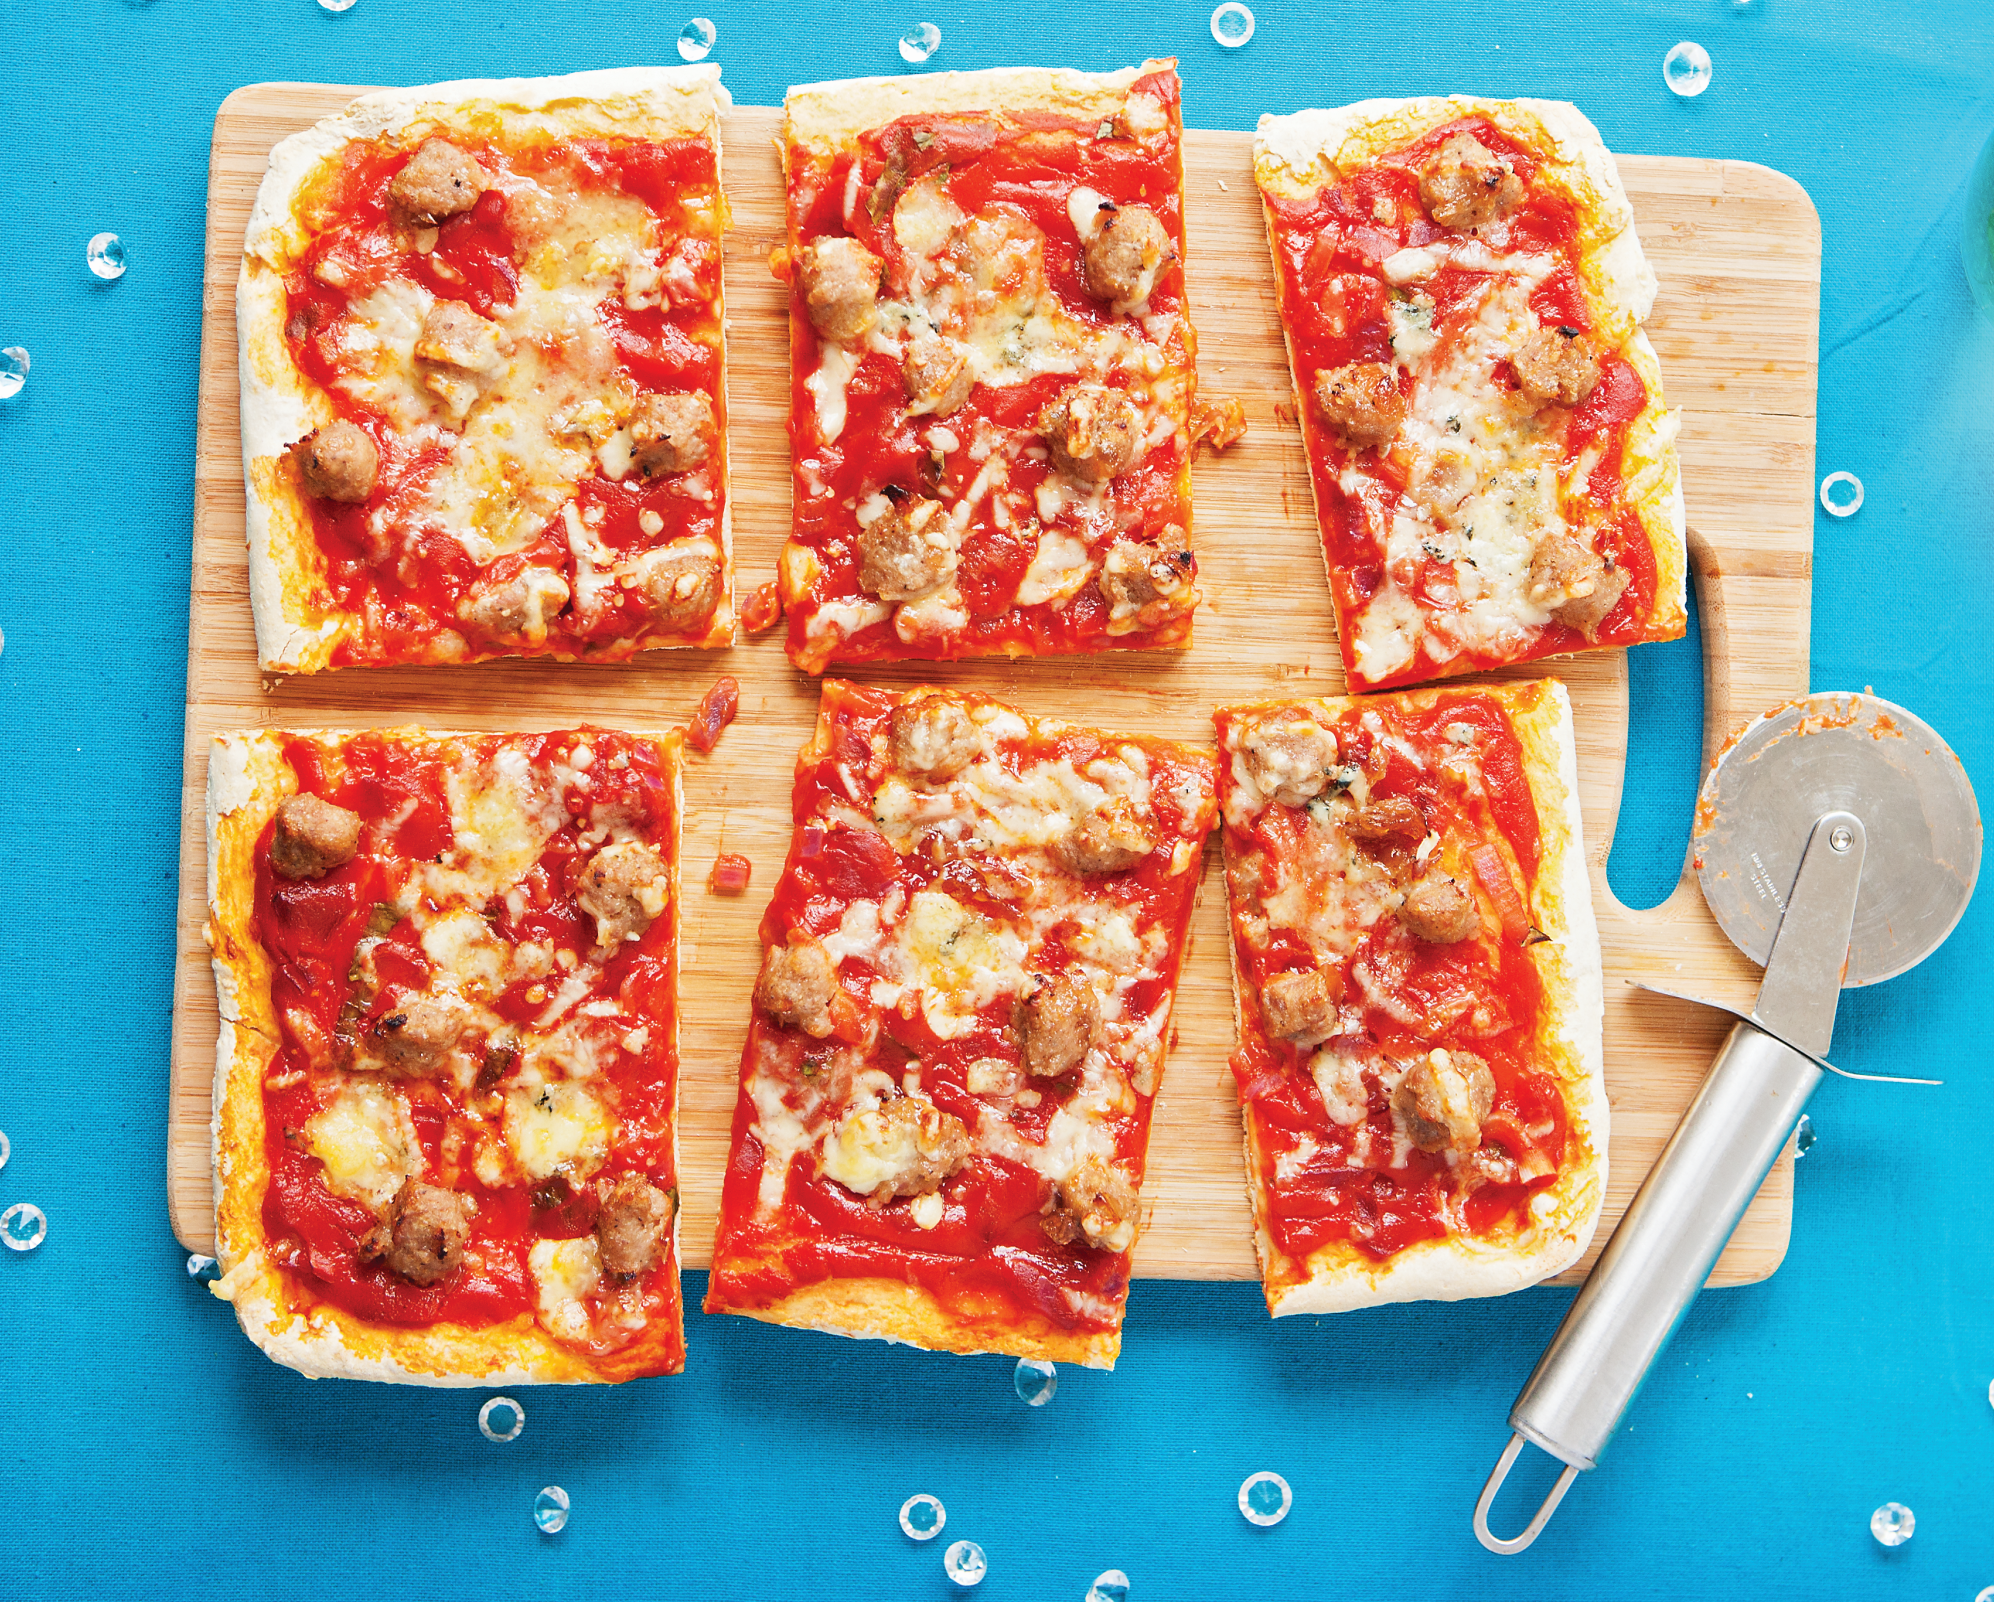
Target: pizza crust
(279, 405)
(822, 116)
(906, 1315)
(248, 779)
(1337, 1278)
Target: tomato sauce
(1329, 253)
(391, 567)
(1026, 168)
(987, 1260)
(346, 950)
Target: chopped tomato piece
(730, 874)
(1495, 876)
(763, 608)
(715, 711)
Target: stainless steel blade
(1803, 978)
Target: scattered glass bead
(696, 39)
(23, 1226)
(502, 1419)
(1986, 1595)
(201, 1267)
(1686, 69)
(1232, 25)
(1803, 1136)
(1112, 1586)
(337, 5)
(1892, 1524)
(13, 370)
(920, 42)
(1990, 1393)
(965, 1563)
(106, 255)
(550, 1507)
(1035, 1381)
(6, 1150)
(922, 1517)
(1836, 504)
(1264, 1498)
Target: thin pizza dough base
(280, 405)
(1294, 155)
(906, 1315)
(248, 779)
(1339, 1277)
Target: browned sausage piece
(311, 837)
(1127, 254)
(1386, 817)
(681, 584)
(1146, 582)
(933, 738)
(625, 886)
(631, 1224)
(908, 551)
(840, 279)
(796, 987)
(1443, 1099)
(1555, 364)
(1059, 1022)
(516, 608)
(1301, 1006)
(438, 181)
(423, 1237)
(1289, 757)
(670, 433)
(1465, 185)
(419, 1033)
(1573, 584)
(1095, 1204)
(1111, 839)
(1586, 612)
(1093, 433)
(938, 374)
(1361, 402)
(1438, 910)
(338, 462)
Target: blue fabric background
(147, 1449)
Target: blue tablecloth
(147, 1448)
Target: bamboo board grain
(1737, 248)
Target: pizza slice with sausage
(483, 399)
(959, 1027)
(1463, 293)
(992, 366)
(1417, 976)
(446, 1085)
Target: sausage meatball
(904, 1147)
(1093, 433)
(1389, 817)
(422, 1238)
(1555, 364)
(938, 374)
(1573, 584)
(1361, 402)
(419, 1033)
(1126, 255)
(670, 433)
(796, 987)
(908, 551)
(1058, 1023)
(1145, 586)
(630, 1224)
(1465, 185)
(933, 738)
(1289, 758)
(438, 181)
(1443, 1099)
(311, 837)
(338, 462)
(625, 886)
(1301, 1006)
(515, 608)
(1095, 1204)
(680, 583)
(1111, 839)
(1438, 910)
(461, 354)
(840, 279)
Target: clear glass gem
(922, 1517)
(106, 255)
(1803, 1136)
(920, 42)
(6, 1150)
(1232, 24)
(1892, 1524)
(13, 370)
(696, 39)
(550, 1510)
(1986, 1595)
(1841, 495)
(337, 5)
(965, 1563)
(1264, 1498)
(23, 1226)
(1112, 1586)
(1035, 1381)
(201, 1267)
(502, 1419)
(1686, 69)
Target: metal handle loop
(1535, 1528)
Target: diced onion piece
(715, 711)
(730, 874)
(762, 609)
(1495, 877)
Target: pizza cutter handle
(1673, 1233)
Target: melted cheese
(367, 1143)
(565, 1274)
(961, 960)
(557, 1128)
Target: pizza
(1462, 292)
(482, 367)
(959, 1027)
(992, 368)
(445, 1091)
(1417, 976)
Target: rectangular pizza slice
(991, 366)
(1462, 292)
(445, 1091)
(959, 1027)
(1417, 977)
(483, 400)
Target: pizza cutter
(1837, 841)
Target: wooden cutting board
(1738, 251)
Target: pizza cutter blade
(1837, 843)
